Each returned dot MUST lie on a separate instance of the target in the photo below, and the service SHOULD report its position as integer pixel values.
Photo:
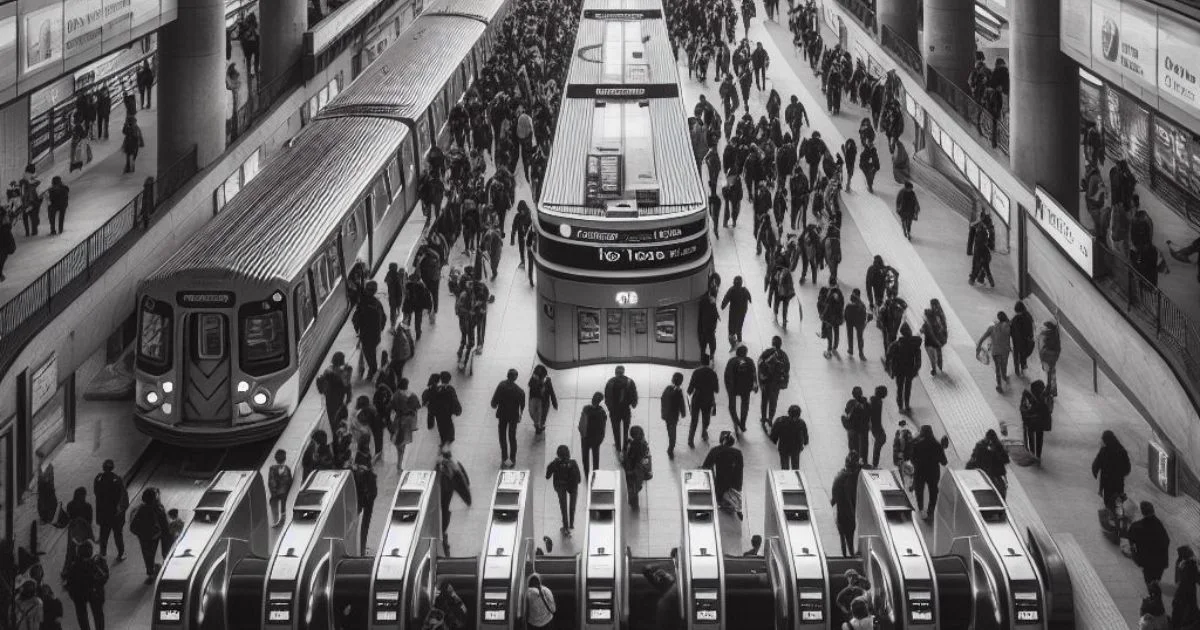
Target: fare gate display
(603, 572)
(507, 552)
(229, 524)
(795, 557)
(702, 584)
(402, 581)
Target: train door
(628, 333)
(207, 368)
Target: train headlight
(168, 387)
(261, 397)
(166, 408)
(152, 397)
(243, 387)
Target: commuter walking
(84, 579)
(856, 420)
(279, 484)
(592, 421)
(935, 333)
(509, 402)
(58, 196)
(394, 281)
(103, 113)
(1184, 609)
(928, 457)
(728, 467)
(452, 480)
(402, 409)
(904, 364)
(703, 387)
(620, 396)
(1111, 466)
(1049, 344)
(908, 208)
(774, 372)
(1000, 335)
(741, 378)
(149, 523)
(1150, 543)
(844, 497)
(443, 406)
(28, 610)
(145, 83)
(706, 323)
(564, 472)
(737, 299)
(370, 319)
(673, 409)
(112, 501)
(1036, 417)
(132, 142)
(334, 386)
(1023, 342)
(541, 398)
(878, 435)
(790, 435)
(990, 456)
(856, 317)
(636, 462)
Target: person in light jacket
(1000, 333)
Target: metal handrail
(902, 51)
(994, 129)
(49, 294)
(863, 11)
(1164, 324)
(261, 100)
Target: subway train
(233, 327)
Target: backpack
(403, 346)
(280, 480)
(771, 367)
(902, 445)
(937, 326)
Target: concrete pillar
(901, 17)
(282, 24)
(191, 84)
(949, 29)
(14, 140)
(1044, 103)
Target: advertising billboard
(1064, 230)
(1179, 63)
(8, 45)
(41, 38)
(82, 20)
(1075, 30)
(1125, 38)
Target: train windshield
(154, 336)
(263, 336)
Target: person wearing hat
(370, 318)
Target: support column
(950, 38)
(283, 23)
(1044, 103)
(901, 17)
(192, 99)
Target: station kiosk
(701, 578)
(229, 524)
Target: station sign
(1064, 230)
(598, 235)
(1161, 466)
(623, 14)
(205, 299)
(623, 91)
(620, 257)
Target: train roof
(409, 76)
(622, 5)
(658, 158)
(273, 227)
(485, 10)
(623, 52)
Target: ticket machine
(972, 522)
(701, 576)
(298, 589)
(795, 559)
(402, 576)
(508, 550)
(603, 571)
(911, 589)
(229, 523)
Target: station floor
(961, 404)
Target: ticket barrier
(603, 574)
(910, 588)
(229, 524)
(297, 588)
(508, 552)
(701, 574)
(973, 524)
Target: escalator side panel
(1060, 594)
(245, 595)
(749, 598)
(955, 607)
(643, 597)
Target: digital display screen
(920, 606)
(591, 235)
(495, 606)
(168, 615)
(1027, 615)
(387, 605)
(493, 615)
(622, 258)
(811, 615)
(706, 615)
(706, 606)
(1027, 607)
(279, 607)
(279, 615)
(170, 607)
(600, 614)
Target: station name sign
(621, 257)
(1064, 230)
(205, 299)
(623, 14)
(591, 235)
(626, 91)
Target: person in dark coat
(1023, 342)
(509, 402)
(370, 318)
(908, 208)
(878, 435)
(566, 477)
(737, 299)
(366, 485)
(741, 378)
(103, 113)
(856, 420)
(442, 401)
(707, 322)
(112, 500)
(84, 579)
(727, 465)
(790, 435)
(1184, 609)
(703, 387)
(1036, 417)
(394, 281)
(1151, 544)
(149, 523)
(145, 83)
(58, 195)
(620, 396)
(990, 456)
(1111, 466)
(855, 315)
(928, 457)
(904, 364)
(592, 422)
(844, 496)
(673, 408)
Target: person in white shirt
(539, 604)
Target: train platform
(98, 192)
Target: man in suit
(673, 408)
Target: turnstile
(701, 577)
(508, 549)
(401, 582)
(794, 556)
(228, 525)
(298, 588)
(603, 571)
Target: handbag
(983, 355)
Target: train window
(333, 262)
(406, 151)
(395, 177)
(382, 200)
(210, 335)
(320, 276)
(154, 336)
(350, 228)
(264, 337)
(304, 306)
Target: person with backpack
(566, 477)
(84, 579)
(318, 455)
(334, 387)
(774, 372)
(790, 435)
(279, 483)
(1150, 543)
(1023, 342)
(856, 420)
(1111, 466)
(452, 480)
(990, 456)
(741, 379)
(844, 497)
(592, 422)
(541, 398)
(1036, 417)
(442, 400)
(416, 301)
(737, 298)
(891, 316)
(832, 313)
(620, 396)
(673, 408)
(728, 467)
(936, 334)
(904, 364)
(112, 501)
(928, 456)
(509, 402)
(1000, 335)
(149, 523)
(539, 604)
(636, 462)
(703, 387)
(131, 143)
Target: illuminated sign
(205, 298)
(605, 258)
(601, 90)
(622, 14)
(1064, 230)
(592, 235)
(627, 298)
(1162, 467)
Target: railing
(863, 11)
(260, 102)
(993, 129)
(48, 295)
(1168, 328)
(903, 52)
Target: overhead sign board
(1064, 230)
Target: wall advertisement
(1064, 230)
(1125, 38)
(1179, 62)
(8, 45)
(41, 38)
(82, 20)
(1075, 29)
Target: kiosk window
(309, 499)
(664, 325)
(614, 321)
(638, 318)
(507, 499)
(895, 499)
(604, 497)
(407, 499)
(795, 499)
(589, 327)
